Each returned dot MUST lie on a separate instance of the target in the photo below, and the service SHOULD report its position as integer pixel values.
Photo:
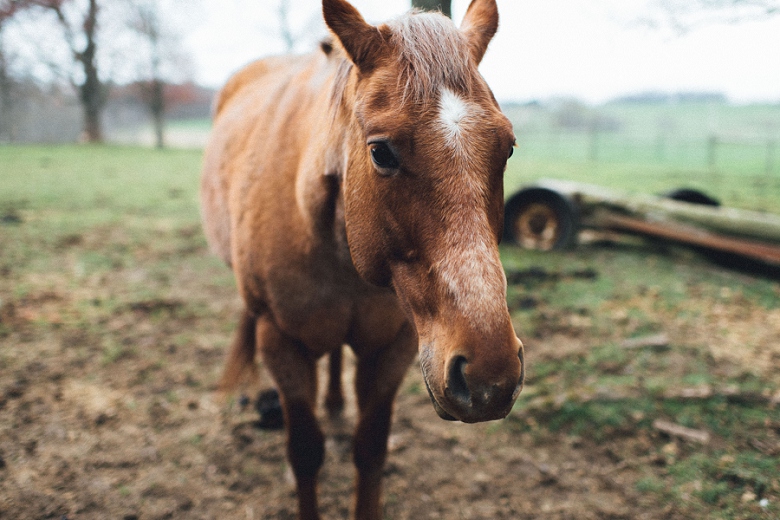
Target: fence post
(712, 147)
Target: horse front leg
(294, 371)
(378, 376)
(334, 397)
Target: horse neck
(319, 186)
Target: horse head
(426, 151)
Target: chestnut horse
(357, 194)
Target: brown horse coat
(357, 195)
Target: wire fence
(729, 152)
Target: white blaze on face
(454, 115)
(475, 280)
(471, 270)
(458, 124)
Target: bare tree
(5, 91)
(145, 21)
(7, 9)
(164, 61)
(79, 24)
(445, 6)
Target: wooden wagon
(551, 213)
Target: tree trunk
(445, 6)
(91, 91)
(159, 131)
(147, 22)
(157, 107)
(6, 133)
(91, 96)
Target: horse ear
(362, 41)
(480, 25)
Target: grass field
(114, 320)
(731, 152)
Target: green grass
(93, 182)
(604, 393)
(83, 214)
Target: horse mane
(431, 54)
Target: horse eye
(384, 157)
(511, 152)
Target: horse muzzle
(468, 395)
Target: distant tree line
(94, 33)
(645, 98)
(91, 33)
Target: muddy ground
(107, 408)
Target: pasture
(114, 320)
(729, 151)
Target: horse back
(245, 111)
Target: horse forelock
(431, 54)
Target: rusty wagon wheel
(541, 219)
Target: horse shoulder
(238, 115)
(271, 195)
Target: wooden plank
(654, 341)
(678, 233)
(734, 222)
(676, 430)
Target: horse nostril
(522, 366)
(521, 381)
(456, 380)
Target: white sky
(590, 49)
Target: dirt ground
(107, 410)
(83, 441)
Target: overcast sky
(590, 49)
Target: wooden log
(654, 209)
(690, 235)
(655, 342)
(676, 430)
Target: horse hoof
(269, 408)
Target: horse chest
(325, 309)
